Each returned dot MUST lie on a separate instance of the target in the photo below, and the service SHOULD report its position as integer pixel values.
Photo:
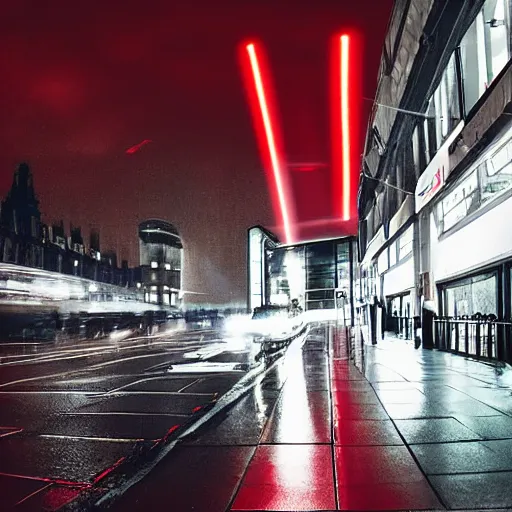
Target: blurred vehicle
(266, 322)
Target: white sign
(433, 178)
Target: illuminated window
(485, 49)
(167, 266)
(489, 178)
(443, 115)
(154, 264)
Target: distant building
(21, 219)
(161, 258)
(316, 274)
(24, 240)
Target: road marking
(140, 381)
(84, 352)
(37, 491)
(170, 393)
(87, 438)
(17, 431)
(118, 413)
(31, 379)
(48, 392)
(56, 481)
(123, 359)
(188, 385)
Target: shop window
(485, 49)
(477, 294)
(343, 266)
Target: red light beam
(278, 177)
(344, 119)
(345, 127)
(134, 149)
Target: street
(71, 411)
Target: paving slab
(365, 432)
(193, 478)
(463, 457)
(435, 430)
(288, 477)
(489, 427)
(475, 491)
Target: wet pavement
(420, 430)
(72, 411)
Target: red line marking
(49, 480)
(109, 470)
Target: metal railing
(481, 336)
(402, 326)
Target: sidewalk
(423, 430)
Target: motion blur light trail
(261, 108)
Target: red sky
(83, 81)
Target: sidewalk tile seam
(415, 459)
(459, 473)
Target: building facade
(161, 260)
(26, 241)
(319, 274)
(436, 183)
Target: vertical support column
(352, 277)
(423, 252)
(505, 339)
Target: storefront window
(255, 268)
(343, 266)
(485, 49)
(287, 275)
(320, 275)
(474, 295)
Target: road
(71, 411)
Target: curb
(118, 479)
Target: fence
(478, 336)
(402, 326)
